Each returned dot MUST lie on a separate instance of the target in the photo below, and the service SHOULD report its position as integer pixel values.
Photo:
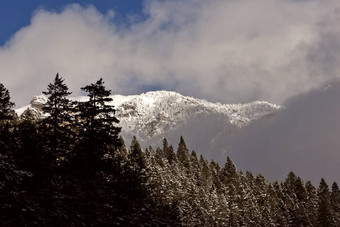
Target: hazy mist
(303, 138)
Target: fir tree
(6, 125)
(312, 203)
(165, 145)
(295, 189)
(182, 153)
(335, 204)
(58, 121)
(97, 130)
(229, 174)
(97, 117)
(136, 155)
(92, 162)
(324, 209)
(169, 151)
(6, 106)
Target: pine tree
(6, 125)
(324, 209)
(182, 153)
(206, 175)
(58, 121)
(295, 189)
(6, 106)
(98, 117)
(335, 204)
(165, 145)
(312, 203)
(98, 133)
(229, 173)
(137, 156)
(230, 180)
(169, 151)
(92, 162)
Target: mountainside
(154, 115)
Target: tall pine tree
(58, 107)
(6, 114)
(6, 106)
(99, 128)
(97, 141)
(335, 204)
(324, 208)
(182, 153)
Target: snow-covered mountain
(302, 137)
(154, 115)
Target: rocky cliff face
(154, 115)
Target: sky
(228, 51)
(15, 14)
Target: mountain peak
(158, 113)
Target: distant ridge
(154, 115)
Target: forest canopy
(72, 168)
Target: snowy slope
(154, 115)
(155, 112)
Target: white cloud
(228, 51)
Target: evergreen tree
(312, 203)
(324, 209)
(58, 121)
(229, 173)
(97, 118)
(230, 180)
(169, 151)
(206, 175)
(16, 207)
(296, 191)
(6, 106)
(6, 125)
(92, 162)
(98, 133)
(182, 153)
(215, 172)
(165, 145)
(137, 156)
(335, 204)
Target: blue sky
(15, 14)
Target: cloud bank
(227, 51)
(303, 138)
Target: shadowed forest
(72, 168)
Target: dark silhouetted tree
(6, 125)
(6, 106)
(324, 209)
(335, 204)
(58, 122)
(92, 162)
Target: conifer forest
(72, 168)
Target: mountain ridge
(155, 115)
(154, 112)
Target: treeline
(71, 168)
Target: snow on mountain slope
(157, 114)
(35, 106)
